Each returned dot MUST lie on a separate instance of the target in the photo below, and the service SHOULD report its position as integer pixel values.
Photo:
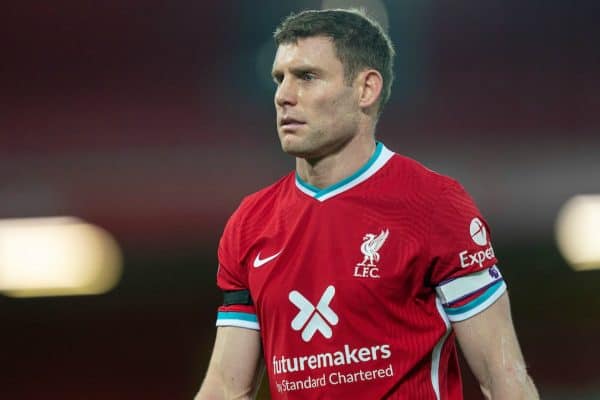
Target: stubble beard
(306, 146)
(315, 148)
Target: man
(353, 276)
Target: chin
(289, 144)
(300, 148)
(291, 150)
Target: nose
(286, 93)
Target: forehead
(316, 51)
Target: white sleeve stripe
(240, 323)
(475, 307)
(238, 318)
(456, 289)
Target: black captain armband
(241, 297)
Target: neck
(338, 164)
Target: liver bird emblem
(370, 247)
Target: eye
(308, 76)
(277, 79)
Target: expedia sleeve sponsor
(464, 270)
(476, 258)
(459, 241)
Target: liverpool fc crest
(370, 249)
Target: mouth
(288, 122)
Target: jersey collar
(379, 158)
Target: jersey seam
(433, 209)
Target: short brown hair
(359, 41)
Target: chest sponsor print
(345, 364)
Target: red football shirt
(353, 287)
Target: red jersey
(353, 287)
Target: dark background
(153, 119)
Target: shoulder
(254, 205)
(253, 213)
(412, 175)
(440, 201)
(426, 194)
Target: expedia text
(468, 259)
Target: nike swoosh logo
(259, 262)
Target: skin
(236, 366)
(490, 346)
(328, 125)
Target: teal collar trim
(377, 160)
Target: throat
(334, 168)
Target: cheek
(331, 108)
(342, 110)
(329, 111)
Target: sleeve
(232, 278)
(464, 271)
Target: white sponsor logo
(344, 356)
(259, 262)
(479, 236)
(334, 378)
(341, 365)
(467, 259)
(311, 319)
(478, 232)
(370, 249)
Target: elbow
(218, 390)
(511, 384)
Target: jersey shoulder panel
(417, 177)
(255, 207)
(454, 222)
(233, 273)
(461, 257)
(239, 230)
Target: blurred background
(152, 119)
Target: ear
(370, 84)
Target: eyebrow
(298, 70)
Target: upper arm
(490, 346)
(235, 367)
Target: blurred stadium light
(56, 256)
(578, 232)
